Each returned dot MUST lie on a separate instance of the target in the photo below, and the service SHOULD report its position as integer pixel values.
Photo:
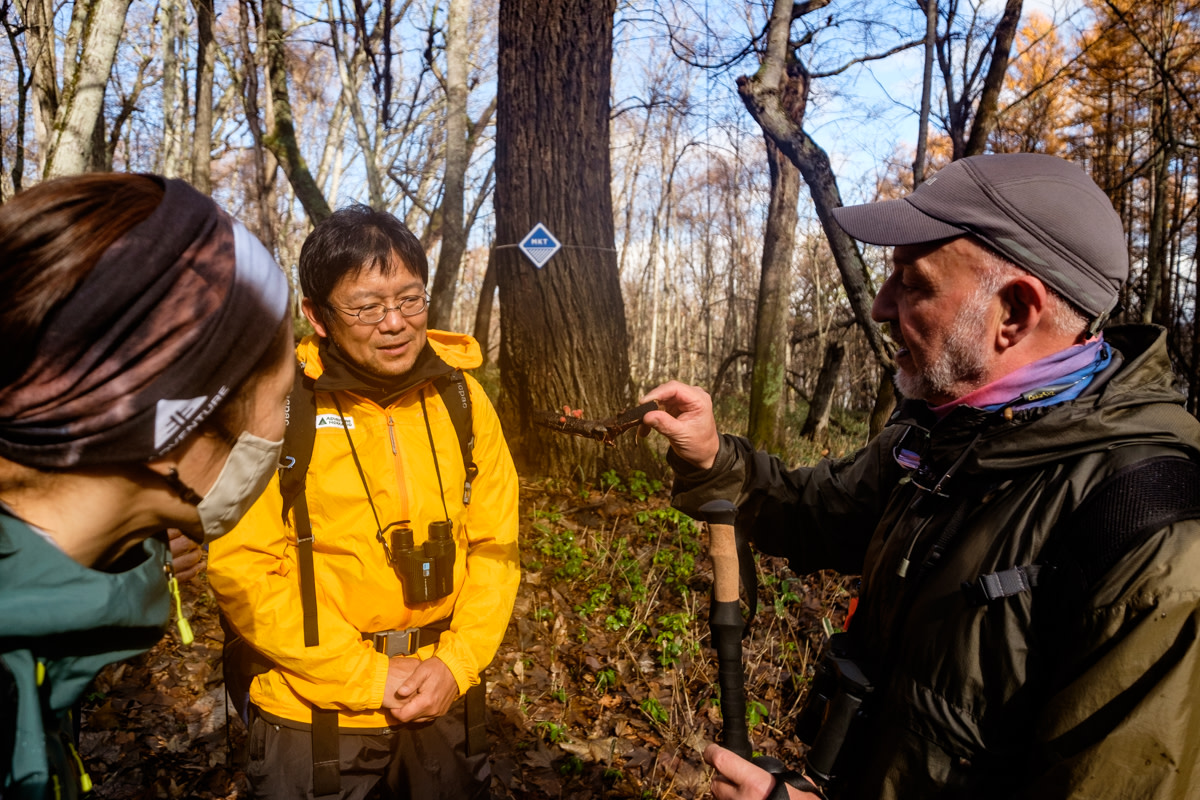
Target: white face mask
(245, 475)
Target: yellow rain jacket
(253, 569)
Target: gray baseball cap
(1040, 212)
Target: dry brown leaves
(578, 708)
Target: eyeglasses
(373, 313)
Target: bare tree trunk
(778, 107)
(931, 19)
(653, 260)
(661, 284)
(817, 421)
(779, 110)
(38, 17)
(206, 56)
(454, 235)
(172, 102)
(483, 312)
(264, 166)
(988, 109)
(70, 142)
(348, 70)
(100, 160)
(282, 139)
(885, 403)
(563, 334)
(18, 168)
(1156, 306)
(774, 302)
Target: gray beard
(961, 365)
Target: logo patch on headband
(175, 419)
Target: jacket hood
(85, 618)
(1135, 399)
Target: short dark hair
(352, 239)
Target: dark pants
(426, 761)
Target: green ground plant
(621, 583)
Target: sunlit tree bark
(68, 116)
(563, 336)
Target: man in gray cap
(1025, 525)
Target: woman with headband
(146, 365)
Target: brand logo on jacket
(333, 421)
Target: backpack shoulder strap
(1127, 508)
(301, 415)
(298, 440)
(1122, 512)
(456, 396)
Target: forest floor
(604, 687)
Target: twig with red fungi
(605, 430)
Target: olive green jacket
(1055, 692)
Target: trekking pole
(726, 624)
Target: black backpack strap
(456, 396)
(301, 415)
(327, 776)
(308, 581)
(296, 457)
(1128, 507)
(1122, 512)
(327, 772)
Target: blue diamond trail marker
(538, 245)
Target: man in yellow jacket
(374, 696)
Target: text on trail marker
(539, 245)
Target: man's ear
(312, 312)
(1024, 302)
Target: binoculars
(427, 572)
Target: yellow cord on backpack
(185, 628)
(85, 780)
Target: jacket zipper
(392, 435)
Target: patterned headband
(165, 326)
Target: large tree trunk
(769, 379)
(563, 336)
(69, 141)
(454, 235)
(281, 141)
